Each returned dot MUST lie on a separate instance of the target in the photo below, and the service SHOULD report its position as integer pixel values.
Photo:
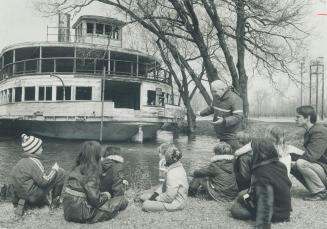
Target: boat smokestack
(63, 27)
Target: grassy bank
(198, 213)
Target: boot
(20, 207)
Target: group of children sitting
(94, 189)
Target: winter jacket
(82, 197)
(175, 187)
(221, 179)
(229, 107)
(113, 175)
(29, 179)
(315, 144)
(271, 185)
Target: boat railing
(93, 66)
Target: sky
(21, 22)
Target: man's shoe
(317, 196)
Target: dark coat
(113, 175)
(270, 184)
(29, 180)
(315, 144)
(230, 107)
(221, 179)
(83, 206)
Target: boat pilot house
(85, 85)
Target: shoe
(55, 203)
(322, 195)
(20, 207)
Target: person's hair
(263, 149)
(89, 158)
(307, 111)
(222, 148)
(243, 137)
(110, 150)
(163, 148)
(172, 155)
(275, 134)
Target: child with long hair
(269, 197)
(83, 202)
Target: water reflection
(141, 160)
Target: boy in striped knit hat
(31, 185)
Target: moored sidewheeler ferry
(88, 88)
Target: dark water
(141, 160)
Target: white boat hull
(112, 130)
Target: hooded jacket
(113, 175)
(270, 184)
(229, 107)
(29, 179)
(221, 179)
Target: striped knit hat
(30, 144)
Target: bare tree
(225, 33)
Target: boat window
(89, 27)
(123, 67)
(64, 65)
(108, 30)
(48, 52)
(45, 93)
(31, 66)
(85, 65)
(60, 93)
(41, 93)
(48, 93)
(151, 98)
(99, 64)
(10, 95)
(91, 53)
(27, 53)
(99, 28)
(18, 94)
(83, 93)
(116, 33)
(8, 57)
(47, 66)
(29, 93)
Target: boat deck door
(123, 94)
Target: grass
(198, 213)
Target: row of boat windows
(44, 93)
(28, 53)
(93, 66)
(99, 29)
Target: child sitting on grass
(113, 177)
(172, 194)
(83, 202)
(217, 179)
(243, 160)
(269, 198)
(31, 185)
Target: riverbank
(198, 213)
